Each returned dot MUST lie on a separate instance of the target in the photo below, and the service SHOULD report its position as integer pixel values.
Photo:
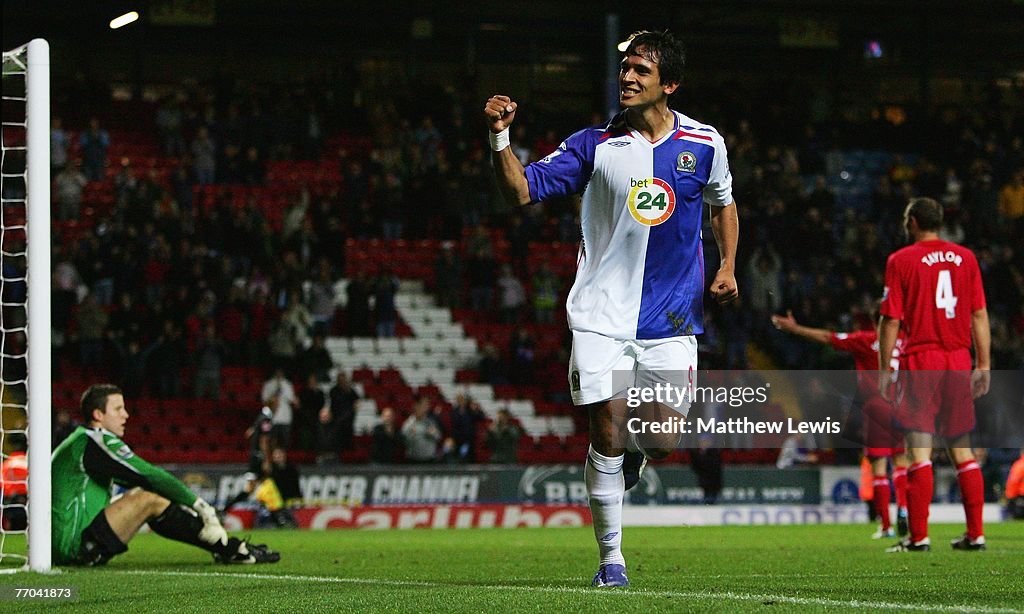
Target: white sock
(605, 488)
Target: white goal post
(27, 137)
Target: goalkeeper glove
(212, 531)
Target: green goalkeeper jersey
(85, 466)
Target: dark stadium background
(794, 85)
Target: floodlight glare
(123, 20)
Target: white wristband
(499, 141)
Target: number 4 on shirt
(944, 297)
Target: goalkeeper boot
(241, 552)
(610, 575)
(633, 464)
(966, 543)
(909, 546)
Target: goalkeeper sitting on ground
(89, 528)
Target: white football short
(602, 368)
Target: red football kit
(934, 288)
(880, 437)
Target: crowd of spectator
(159, 286)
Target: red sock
(920, 487)
(881, 501)
(899, 482)
(972, 492)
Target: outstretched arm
(788, 324)
(500, 112)
(725, 223)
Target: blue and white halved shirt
(641, 265)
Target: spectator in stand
(384, 292)
(167, 360)
(279, 394)
(204, 157)
(316, 361)
(208, 359)
(523, 357)
(297, 321)
(231, 323)
(60, 143)
(68, 188)
(491, 368)
(519, 234)
(125, 188)
(481, 281)
(343, 408)
(357, 306)
(94, 143)
(168, 123)
(92, 330)
(281, 345)
(544, 288)
(261, 314)
(325, 437)
(420, 433)
(447, 277)
(63, 426)
(322, 299)
(251, 169)
(465, 416)
(133, 360)
(513, 295)
(1011, 201)
(311, 400)
(503, 438)
(386, 439)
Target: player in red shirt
(933, 293)
(882, 441)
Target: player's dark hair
(927, 212)
(95, 397)
(662, 48)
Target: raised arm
(788, 324)
(500, 112)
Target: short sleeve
(564, 171)
(849, 342)
(718, 191)
(892, 294)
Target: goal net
(25, 310)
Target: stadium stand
(146, 229)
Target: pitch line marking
(728, 595)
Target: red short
(933, 393)
(881, 430)
(883, 452)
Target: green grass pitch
(679, 569)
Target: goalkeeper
(90, 528)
